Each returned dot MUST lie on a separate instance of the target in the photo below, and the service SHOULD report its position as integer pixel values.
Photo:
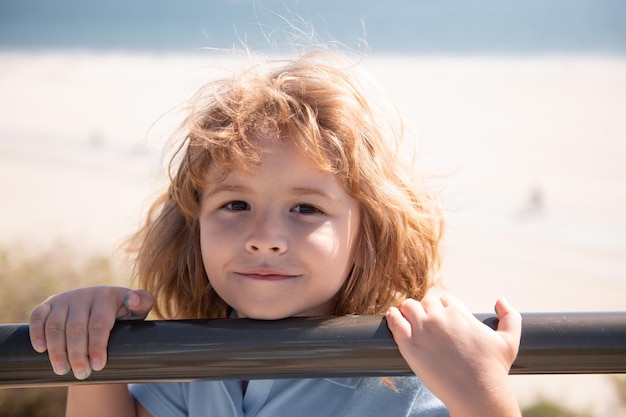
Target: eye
(237, 205)
(306, 209)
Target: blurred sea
(518, 101)
(396, 26)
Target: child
(288, 197)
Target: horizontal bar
(142, 351)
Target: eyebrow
(298, 191)
(302, 191)
(224, 188)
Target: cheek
(214, 246)
(206, 248)
(216, 233)
(336, 247)
(326, 241)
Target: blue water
(394, 26)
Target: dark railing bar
(141, 351)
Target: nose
(266, 236)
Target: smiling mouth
(267, 277)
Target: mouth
(266, 275)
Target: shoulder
(185, 399)
(397, 396)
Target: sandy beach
(527, 155)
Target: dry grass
(27, 278)
(550, 409)
(33, 402)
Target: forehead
(283, 171)
(272, 150)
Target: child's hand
(74, 326)
(461, 360)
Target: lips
(266, 275)
(259, 277)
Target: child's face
(278, 241)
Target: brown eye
(306, 209)
(237, 206)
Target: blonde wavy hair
(318, 103)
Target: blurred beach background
(519, 109)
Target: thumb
(509, 319)
(509, 324)
(137, 305)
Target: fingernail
(131, 299)
(61, 368)
(96, 365)
(82, 373)
(40, 345)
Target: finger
(137, 305)
(398, 325)
(37, 325)
(77, 336)
(55, 339)
(509, 319)
(412, 310)
(415, 315)
(509, 323)
(431, 304)
(101, 321)
(448, 300)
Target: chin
(263, 315)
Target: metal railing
(552, 343)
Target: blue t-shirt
(336, 397)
